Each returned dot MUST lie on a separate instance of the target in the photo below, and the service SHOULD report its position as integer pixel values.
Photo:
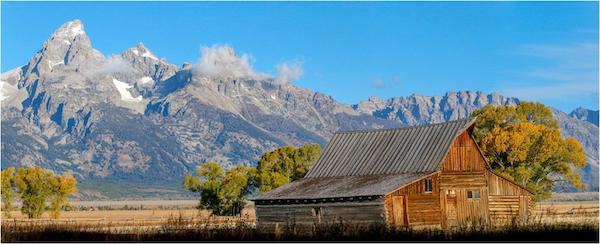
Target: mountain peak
(584, 114)
(142, 51)
(68, 31)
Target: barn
(431, 175)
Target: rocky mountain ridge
(585, 115)
(136, 119)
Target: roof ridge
(371, 175)
(405, 128)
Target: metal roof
(389, 151)
(345, 186)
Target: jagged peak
(69, 31)
(374, 98)
(142, 51)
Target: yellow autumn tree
(524, 143)
(37, 189)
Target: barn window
(473, 194)
(317, 214)
(428, 185)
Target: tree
(211, 175)
(284, 165)
(36, 187)
(221, 192)
(33, 188)
(234, 188)
(66, 185)
(524, 143)
(8, 192)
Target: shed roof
(344, 186)
(399, 151)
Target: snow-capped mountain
(134, 119)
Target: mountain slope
(134, 119)
(585, 115)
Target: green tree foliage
(38, 189)
(284, 165)
(234, 189)
(207, 182)
(224, 191)
(8, 191)
(524, 143)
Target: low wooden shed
(431, 175)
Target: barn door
(451, 207)
(399, 211)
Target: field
(159, 220)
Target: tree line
(522, 143)
(37, 189)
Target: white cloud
(114, 64)
(221, 61)
(288, 72)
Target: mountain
(132, 124)
(585, 115)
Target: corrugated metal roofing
(388, 152)
(345, 186)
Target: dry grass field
(182, 224)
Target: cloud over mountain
(289, 71)
(221, 61)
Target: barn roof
(399, 151)
(345, 186)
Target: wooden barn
(432, 175)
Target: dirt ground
(555, 211)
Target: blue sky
(540, 51)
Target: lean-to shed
(431, 175)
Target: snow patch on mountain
(123, 87)
(146, 79)
(70, 30)
(6, 90)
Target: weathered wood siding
(457, 207)
(463, 170)
(423, 208)
(507, 200)
(464, 155)
(303, 215)
(500, 186)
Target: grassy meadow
(159, 220)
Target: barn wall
(422, 208)
(507, 200)
(501, 186)
(463, 170)
(454, 187)
(303, 216)
(464, 155)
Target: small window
(428, 185)
(473, 194)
